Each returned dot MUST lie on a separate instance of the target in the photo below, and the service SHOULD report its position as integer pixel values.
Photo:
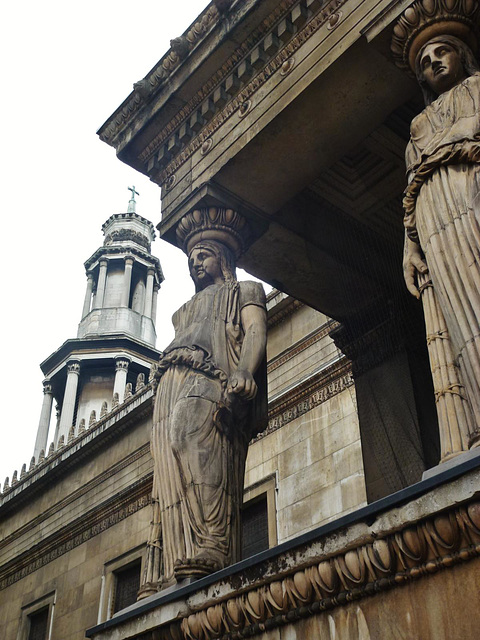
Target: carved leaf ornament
(416, 551)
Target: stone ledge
(120, 418)
(431, 526)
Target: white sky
(66, 68)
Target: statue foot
(201, 565)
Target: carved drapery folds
(210, 401)
(434, 40)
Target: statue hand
(241, 383)
(412, 263)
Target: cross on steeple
(132, 202)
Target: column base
(451, 462)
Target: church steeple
(122, 279)
(114, 351)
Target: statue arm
(254, 323)
(412, 263)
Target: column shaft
(88, 296)
(69, 399)
(121, 370)
(154, 303)
(147, 311)
(44, 422)
(127, 282)
(102, 280)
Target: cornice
(154, 80)
(121, 251)
(314, 337)
(219, 76)
(128, 235)
(308, 395)
(151, 85)
(119, 507)
(106, 344)
(285, 308)
(162, 169)
(77, 449)
(75, 495)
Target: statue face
(441, 66)
(205, 267)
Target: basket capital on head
(427, 19)
(213, 223)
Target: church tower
(114, 350)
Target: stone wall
(85, 511)
(312, 444)
(86, 508)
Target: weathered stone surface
(442, 225)
(211, 400)
(324, 586)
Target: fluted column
(102, 279)
(154, 303)
(88, 296)
(127, 282)
(149, 293)
(69, 399)
(121, 370)
(44, 422)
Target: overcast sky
(66, 68)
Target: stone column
(397, 429)
(57, 422)
(88, 296)
(69, 399)
(127, 282)
(102, 279)
(44, 422)
(154, 303)
(121, 369)
(149, 293)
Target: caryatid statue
(434, 39)
(210, 401)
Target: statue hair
(467, 58)
(225, 257)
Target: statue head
(211, 262)
(442, 63)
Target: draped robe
(442, 215)
(200, 435)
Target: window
(38, 625)
(255, 527)
(259, 518)
(37, 618)
(121, 582)
(127, 584)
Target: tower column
(68, 406)
(154, 303)
(102, 280)
(127, 282)
(121, 369)
(88, 296)
(44, 422)
(149, 293)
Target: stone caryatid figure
(442, 206)
(210, 401)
